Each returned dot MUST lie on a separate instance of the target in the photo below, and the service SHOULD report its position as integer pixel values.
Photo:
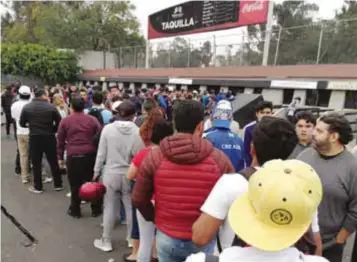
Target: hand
(342, 236)
(318, 251)
(95, 177)
(61, 164)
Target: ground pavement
(60, 237)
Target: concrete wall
(91, 60)
(273, 95)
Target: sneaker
(130, 242)
(47, 180)
(59, 188)
(34, 190)
(69, 194)
(103, 244)
(25, 181)
(74, 214)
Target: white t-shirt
(252, 254)
(16, 110)
(227, 189)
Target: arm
(144, 186)
(138, 145)
(216, 207)
(23, 118)
(316, 234)
(56, 119)
(132, 172)
(61, 139)
(101, 154)
(350, 223)
(247, 140)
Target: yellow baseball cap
(278, 208)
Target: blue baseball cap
(222, 114)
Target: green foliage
(50, 65)
(181, 54)
(79, 25)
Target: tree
(34, 60)
(297, 43)
(99, 25)
(340, 38)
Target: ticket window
(311, 97)
(258, 91)
(288, 95)
(323, 97)
(351, 100)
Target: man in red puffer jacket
(180, 173)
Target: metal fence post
(189, 53)
(277, 45)
(214, 51)
(135, 58)
(169, 54)
(320, 43)
(147, 54)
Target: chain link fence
(327, 42)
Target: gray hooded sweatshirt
(119, 142)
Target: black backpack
(97, 113)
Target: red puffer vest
(185, 169)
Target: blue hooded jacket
(229, 143)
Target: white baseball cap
(25, 90)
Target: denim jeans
(175, 250)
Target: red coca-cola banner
(203, 16)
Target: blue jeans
(170, 249)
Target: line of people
(197, 187)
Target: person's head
(126, 111)
(58, 99)
(114, 90)
(281, 201)
(146, 128)
(9, 88)
(73, 88)
(160, 130)
(148, 104)
(137, 92)
(97, 88)
(188, 117)
(97, 98)
(332, 132)
(77, 104)
(83, 93)
(189, 96)
(41, 93)
(263, 108)
(126, 97)
(305, 123)
(273, 138)
(24, 92)
(222, 115)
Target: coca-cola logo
(253, 7)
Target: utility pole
(268, 33)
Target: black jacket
(41, 117)
(6, 101)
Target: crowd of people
(192, 184)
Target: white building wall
(273, 95)
(337, 99)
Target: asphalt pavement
(60, 237)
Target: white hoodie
(119, 143)
(252, 254)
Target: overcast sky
(145, 7)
